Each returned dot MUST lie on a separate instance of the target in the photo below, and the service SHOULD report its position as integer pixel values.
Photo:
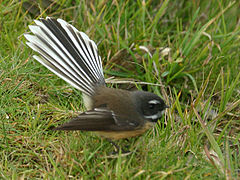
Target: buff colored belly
(115, 135)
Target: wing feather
(99, 119)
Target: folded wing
(97, 120)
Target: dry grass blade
(112, 80)
(210, 137)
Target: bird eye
(151, 106)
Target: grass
(199, 77)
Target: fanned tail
(67, 52)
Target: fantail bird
(70, 54)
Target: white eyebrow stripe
(154, 101)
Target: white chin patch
(155, 116)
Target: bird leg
(118, 149)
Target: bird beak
(166, 106)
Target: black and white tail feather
(67, 52)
